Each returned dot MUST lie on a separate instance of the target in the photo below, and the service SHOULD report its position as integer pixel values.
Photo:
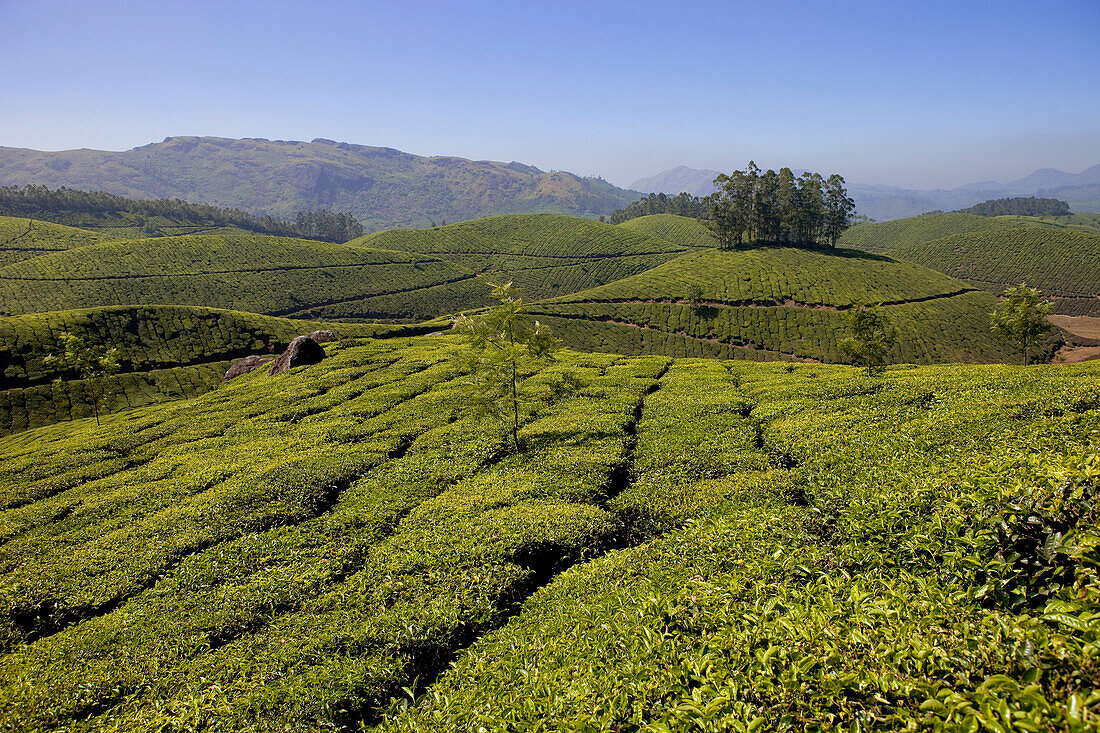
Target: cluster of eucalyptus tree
(753, 206)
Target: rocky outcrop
(302, 350)
(245, 365)
(323, 337)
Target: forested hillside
(381, 187)
(116, 217)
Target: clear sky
(918, 94)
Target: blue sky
(920, 94)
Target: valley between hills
(694, 514)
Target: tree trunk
(515, 409)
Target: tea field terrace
(165, 352)
(545, 255)
(681, 544)
(246, 272)
(1058, 255)
(777, 303)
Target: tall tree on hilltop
(811, 190)
(775, 207)
(838, 208)
(787, 205)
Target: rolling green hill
(248, 272)
(890, 237)
(886, 237)
(1058, 255)
(683, 544)
(544, 254)
(381, 187)
(776, 303)
(165, 352)
(679, 230)
(1078, 222)
(22, 239)
(1063, 264)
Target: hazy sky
(919, 94)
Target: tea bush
(682, 544)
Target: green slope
(165, 352)
(776, 302)
(679, 230)
(1059, 255)
(1077, 222)
(23, 239)
(792, 548)
(249, 272)
(886, 237)
(1063, 264)
(891, 237)
(544, 254)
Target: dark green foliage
(329, 226)
(1021, 206)
(753, 207)
(1022, 319)
(873, 336)
(683, 204)
(163, 217)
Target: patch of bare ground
(1074, 354)
(1084, 326)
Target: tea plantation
(679, 230)
(772, 303)
(682, 544)
(892, 236)
(545, 255)
(165, 352)
(1064, 265)
(248, 272)
(22, 239)
(1059, 255)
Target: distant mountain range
(382, 187)
(387, 188)
(881, 202)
